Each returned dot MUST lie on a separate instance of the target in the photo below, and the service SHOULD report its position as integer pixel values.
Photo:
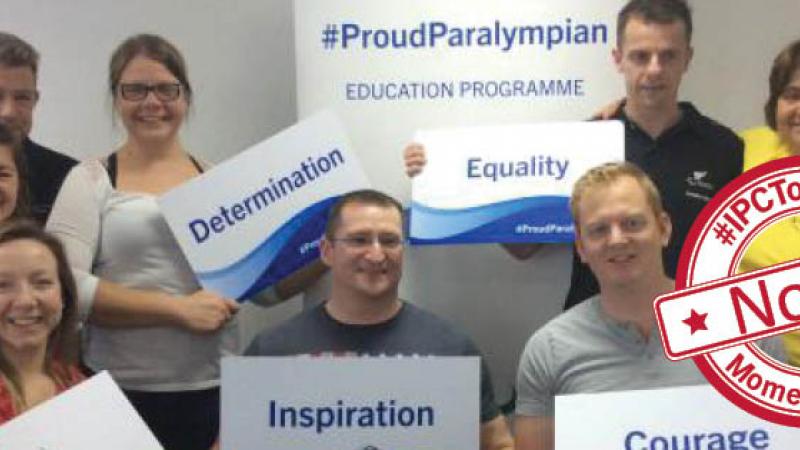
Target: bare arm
(118, 306)
(521, 252)
(534, 433)
(76, 221)
(297, 282)
(300, 280)
(608, 111)
(495, 435)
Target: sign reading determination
(256, 218)
(508, 183)
(320, 403)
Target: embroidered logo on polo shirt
(697, 186)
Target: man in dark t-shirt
(363, 246)
(44, 169)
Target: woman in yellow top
(781, 241)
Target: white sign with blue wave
(508, 183)
(256, 218)
(668, 418)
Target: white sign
(349, 403)
(506, 183)
(256, 218)
(92, 415)
(692, 417)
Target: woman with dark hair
(779, 242)
(38, 344)
(149, 323)
(781, 138)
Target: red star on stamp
(696, 321)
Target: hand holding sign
(204, 311)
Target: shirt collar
(689, 119)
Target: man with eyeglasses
(45, 169)
(363, 247)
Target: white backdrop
(241, 62)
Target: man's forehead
(639, 31)
(17, 75)
(624, 188)
(356, 212)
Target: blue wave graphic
(530, 219)
(275, 258)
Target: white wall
(240, 57)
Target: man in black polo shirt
(44, 169)
(688, 156)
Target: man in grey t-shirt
(609, 342)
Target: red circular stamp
(716, 316)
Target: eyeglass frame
(154, 88)
(363, 242)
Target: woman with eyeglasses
(149, 322)
(779, 242)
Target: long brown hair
(62, 344)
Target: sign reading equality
(256, 218)
(320, 403)
(508, 183)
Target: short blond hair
(608, 173)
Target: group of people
(108, 272)
(631, 221)
(108, 259)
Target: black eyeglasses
(166, 92)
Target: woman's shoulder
(761, 144)
(90, 175)
(67, 375)
(759, 136)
